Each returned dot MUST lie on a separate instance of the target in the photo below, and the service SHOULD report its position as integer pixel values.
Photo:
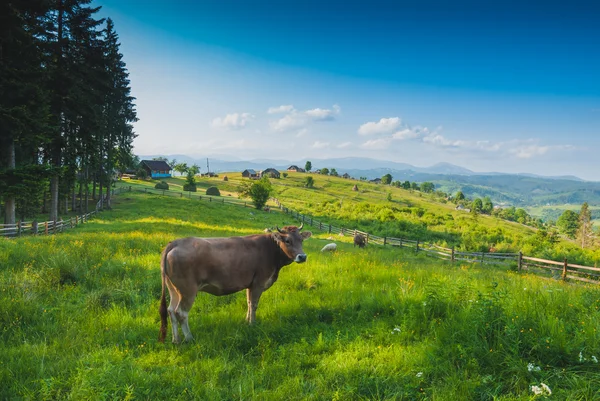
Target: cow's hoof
(189, 339)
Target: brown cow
(222, 266)
(359, 240)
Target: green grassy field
(79, 320)
(409, 214)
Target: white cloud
(383, 126)
(232, 121)
(302, 132)
(407, 133)
(320, 145)
(377, 144)
(288, 122)
(439, 140)
(320, 114)
(281, 109)
(298, 120)
(527, 152)
(344, 145)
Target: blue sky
(491, 86)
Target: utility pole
(207, 168)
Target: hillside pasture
(79, 320)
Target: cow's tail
(163, 301)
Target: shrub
(189, 187)
(214, 191)
(141, 174)
(162, 185)
(284, 175)
(309, 182)
(259, 191)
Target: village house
(157, 168)
(250, 173)
(270, 172)
(296, 169)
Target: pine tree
(22, 101)
(585, 232)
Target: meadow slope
(79, 320)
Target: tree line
(66, 110)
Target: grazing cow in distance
(359, 240)
(329, 247)
(222, 266)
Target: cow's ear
(305, 234)
(276, 236)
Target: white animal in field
(329, 247)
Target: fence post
(130, 188)
(452, 255)
(384, 241)
(520, 261)
(70, 222)
(400, 242)
(19, 228)
(181, 194)
(210, 198)
(329, 228)
(311, 220)
(34, 227)
(223, 199)
(482, 256)
(417, 248)
(367, 239)
(342, 230)
(54, 228)
(564, 274)
(46, 228)
(320, 226)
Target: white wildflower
(532, 368)
(420, 374)
(536, 390)
(396, 330)
(546, 389)
(594, 359)
(424, 303)
(581, 358)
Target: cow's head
(290, 240)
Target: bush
(214, 191)
(284, 175)
(141, 174)
(162, 185)
(189, 187)
(259, 191)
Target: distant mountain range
(508, 189)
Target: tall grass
(79, 319)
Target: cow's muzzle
(300, 258)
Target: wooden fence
(568, 271)
(35, 227)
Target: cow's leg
(252, 296)
(175, 298)
(182, 314)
